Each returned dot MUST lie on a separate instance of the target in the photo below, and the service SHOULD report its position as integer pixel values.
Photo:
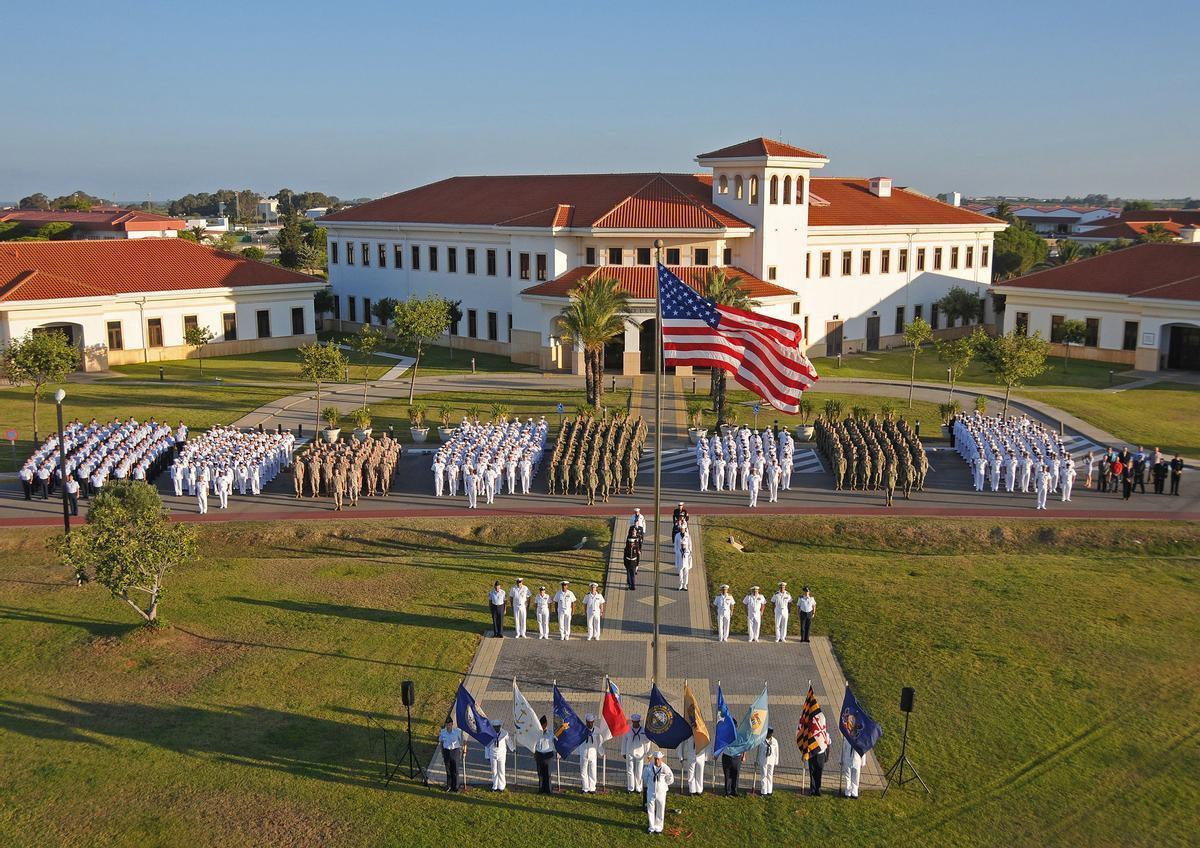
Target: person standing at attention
(541, 603)
(754, 602)
(564, 598)
(520, 606)
(452, 742)
(724, 605)
(806, 605)
(782, 599)
(496, 601)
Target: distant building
(1053, 221)
(1141, 305)
(99, 222)
(131, 301)
(315, 212)
(212, 225)
(1182, 224)
(268, 210)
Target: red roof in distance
(756, 147)
(641, 281)
(115, 220)
(1169, 271)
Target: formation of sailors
(746, 459)
(344, 470)
(1016, 454)
(485, 458)
(225, 458)
(96, 453)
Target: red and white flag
(614, 715)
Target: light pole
(59, 397)
(950, 381)
(658, 367)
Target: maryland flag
(806, 739)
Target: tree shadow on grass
(92, 626)
(382, 616)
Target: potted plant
(500, 413)
(472, 414)
(416, 421)
(887, 409)
(981, 404)
(804, 430)
(695, 411)
(330, 416)
(445, 416)
(833, 409)
(948, 411)
(362, 423)
(731, 420)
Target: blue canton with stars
(681, 301)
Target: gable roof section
(1186, 217)
(1126, 230)
(760, 147)
(848, 202)
(641, 282)
(1170, 271)
(65, 269)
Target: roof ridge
(703, 207)
(629, 197)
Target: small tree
(958, 354)
(805, 407)
(37, 358)
(915, 334)
(198, 234)
(960, 303)
(1071, 332)
(255, 253)
(418, 321)
(384, 310)
(290, 240)
(981, 403)
(197, 339)
(365, 343)
(1014, 359)
(129, 545)
(322, 363)
(455, 315)
(323, 301)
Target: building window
(983, 256)
(1021, 326)
(918, 311)
(614, 256)
(806, 335)
(415, 253)
(154, 334)
(472, 323)
(937, 259)
(366, 310)
(866, 262)
(826, 263)
(970, 263)
(700, 256)
(541, 266)
(523, 265)
(1056, 322)
(452, 260)
(754, 191)
(349, 253)
(337, 307)
(643, 256)
(772, 272)
(885, 262)
(934, 313)
(470, 260)
(510, 326)
(229, 323)
(672, 255)
(263, 317)
(1129, 342)
(847, 262)
(433, 257)
(787, 189)
(190, 322)
(774, 190)
(902, 260)
(493, 328)
(116, 340)
(589, 256)
(491, 263)
(352, 307)
(333, 253)
(723, 185)
(727, 256)
(397, 256)
(737, 186)
(796, 308)
(297, 320)
(1092, 337)
(953, 258)
(382, 255)
(366, 253)
(920, 259)
(508, 264)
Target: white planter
(362, 433)
(695, 434)
(419, 434)
(726, 429)
(330, 435)
(945, 431)
(804, 432)
(446, 433)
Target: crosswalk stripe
(683, 461)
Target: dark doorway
(614, 355)
(873, 332)
(833, 338)
(1184, 353)
(649, 339)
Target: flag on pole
(695, 718)
(762, 353)
(726, 726)
(861, 731)
(753, 729)
(527, 730)
(664, 726)
(616, 724)
(569, 729)
(471, 717)
(806, 739)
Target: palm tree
(1004, 212)
(1065, 253)
(200, 234)
(725, 291)
(1101, 248)
(593, 318)
(1156, 234)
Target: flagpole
(658, 367)
(557, 756)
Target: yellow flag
(695, 718)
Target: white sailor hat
(589, 717)
(636, 717)
(658, 755)
(593, 585)
(724, 585)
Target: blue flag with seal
(726, 727)
(861, 731)
(753, 728)
(569, 729)
(471, 717)
(664, 726)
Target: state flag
(471, 717)
(695, 718)
(665, 727)
(614, 716)
(527, 729)
(861, 731)
(569, 729)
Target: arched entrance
(614, 355)
(74, 334)
(1182, 342)
(648, 332)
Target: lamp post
(658, 367)
(950, 382)
(59, 397)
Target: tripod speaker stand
(906, 705)
(407, 756)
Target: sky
(359, 99)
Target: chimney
(954, 198)
(880, 186)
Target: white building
(268, 210)
(853, 260)
(131, 301)
(1056, 221)
(98, 222)
(1141, 305)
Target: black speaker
(408, 694)
(906, 699)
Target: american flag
(762, 353)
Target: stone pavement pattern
(690, 653)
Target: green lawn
(895, 365)
(1166, 415)
(923, 411)
(528, 403)
(437, 359)
(273, 366)
(1055, 666)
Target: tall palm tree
(1065, 253)
(594, 317)
(1004, 212)
(1156, 234)
(725, 291)
(199, 233)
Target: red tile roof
(760, 147)
(607, 201)
(1170, 271)
(1187, 217)
(848, 202)
(1126, 229)
(640, 281)
(114, 220)
(38, 270)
